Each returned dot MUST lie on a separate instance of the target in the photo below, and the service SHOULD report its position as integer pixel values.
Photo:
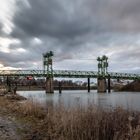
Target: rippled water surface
(130, 100)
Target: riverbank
(10, 127)
(29, 120)
(134, 86)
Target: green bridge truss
(69, 74)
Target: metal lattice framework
(47, 63)
(68, 74)
(102, 65)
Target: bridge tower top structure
(102, 66)
(47, 63)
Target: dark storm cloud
(121, 16)
(72, 21)
(81, 28)
(52, 18)
(1, 32)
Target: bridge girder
(69, 74)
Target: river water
(127, 100)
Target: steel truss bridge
(69, 74)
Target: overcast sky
(76, 30)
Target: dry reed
(91, 123)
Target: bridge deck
(68, 74)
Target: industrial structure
(102, 75)
(48, 71)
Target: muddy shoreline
(29, 121)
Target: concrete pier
(109, 87)
(49, 85)
(8, 81)
(101, 85)
(88, 84)
(60, 87)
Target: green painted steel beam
(69, 74)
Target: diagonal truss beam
(68, 74)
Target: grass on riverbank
(59, 123)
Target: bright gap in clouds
(7, 8)
(72, 29)
(6, 42)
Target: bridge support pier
(88, 84)
(101, 85)
(8, 81)
(60, 87)
(49, 85)
(109, 88)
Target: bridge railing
(130, 76)
(69, 74)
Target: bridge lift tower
(48, 71)
(102, 73)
